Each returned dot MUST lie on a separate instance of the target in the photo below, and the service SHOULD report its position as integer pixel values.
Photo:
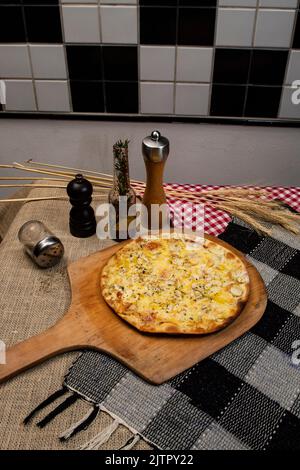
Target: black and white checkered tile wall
(193, 58)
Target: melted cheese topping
(174, 282)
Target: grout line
(65, 56)
(257, 8)
(32, 78)
(175, 61)
(24, 23)
(293, 31)
(138, 51)
(98, 2)
(251, 57)
(197, 7)
(182, 82)
(214, 47)
(30, 60)
(284, 84)
(271, 48)
(102, 57)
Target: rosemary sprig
(122, 144)
(121, 165)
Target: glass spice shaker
(40, 244)
(122, 195)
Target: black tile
(197, 3)
(268, 67)
(12, 24)
(160, 3)
(40, 2)
(196, 26)
(43, 24)
(287, 435)
(262, 101)
(210, 386)
(87, 96)
(158, 25)
(271, 322)
(120, 63)
(296, 43)
(231, 65)
(84, 62)
(121, 97)
(10, 2)
(227, 100)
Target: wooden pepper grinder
(155, 151)
(82, 216)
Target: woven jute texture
(8, 211)
(31, 300)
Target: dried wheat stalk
(45, 198)
(252, 205)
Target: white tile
(288, 109)
(52, 95)
(48, 61)
(20, 95)
(274, 28)
(194, 64)
(81, 23)
(157, 63)
(235, 27)
(2, 92)
(79, 1)
(293, 72)
(278, 3)
(157, 98)
(14, 61)
(237, 3)
(192, 99)
(119, 24)
(118, 2)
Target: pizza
(175, 285)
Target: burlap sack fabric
(31, 300)
(8, 211)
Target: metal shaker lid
(47, 252)
(155, 147)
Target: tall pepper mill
(155, 150)
(82, 217)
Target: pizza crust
(149, 284)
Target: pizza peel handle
(39, 348)
(73, 331)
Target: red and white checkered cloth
(215, 221)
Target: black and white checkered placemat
(246, 396)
